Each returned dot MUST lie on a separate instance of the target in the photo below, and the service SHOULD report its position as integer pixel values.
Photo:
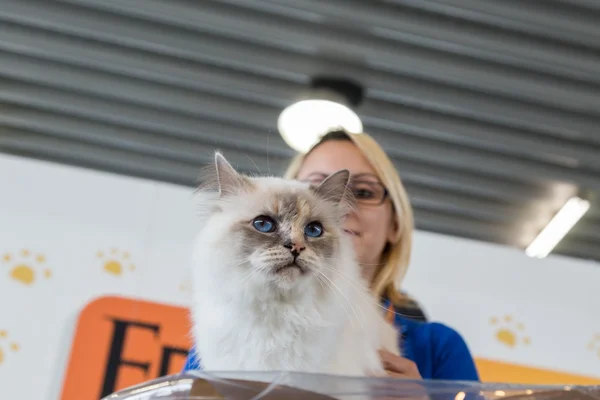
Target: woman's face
(371, 226)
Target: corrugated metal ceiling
(490, 109)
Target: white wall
(557, 300)
(69, 215)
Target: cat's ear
(228, 179)
(335, 187)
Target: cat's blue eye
(264, 224)
(313, 229)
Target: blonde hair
(396, 255)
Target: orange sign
(122, 342)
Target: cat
(275, 284)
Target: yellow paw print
(115, 261)
(509, 332)
(13, 346)
(25, 266)
(594, 345)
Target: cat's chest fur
(281, 337)
(318, 337)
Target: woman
(381, 229)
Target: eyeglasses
(366, 192)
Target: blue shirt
(438, 350)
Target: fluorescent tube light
(558, 227)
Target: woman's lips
(352, 233)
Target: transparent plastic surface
(199, 385)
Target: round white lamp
(321, 110)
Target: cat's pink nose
(295, 248)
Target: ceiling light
(558, 227)
(325, 107)
(303, 123)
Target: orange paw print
(12, 346)
(509, 332)
(25, 267)
(115, 262)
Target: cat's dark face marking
(288, 244)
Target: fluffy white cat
(276, 286)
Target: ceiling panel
(490, 110)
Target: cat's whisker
(329, 284)
(371, 300)
(253, 163)
(354, 282)
(253, 272)
(324, 262)
(245, 246)
(356, 286)
(362, 264)
(321, 282)
(239, 261)
(348, 279)
(347, 300)
(268, 166)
